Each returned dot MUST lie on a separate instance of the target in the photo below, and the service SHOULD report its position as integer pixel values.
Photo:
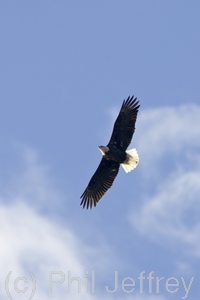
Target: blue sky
(65, 68)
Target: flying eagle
(114, 154)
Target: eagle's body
(114, 154)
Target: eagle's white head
(103, 149)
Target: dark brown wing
(124, 126)
(100, 182)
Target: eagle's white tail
(132, 160)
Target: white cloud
(171, 213)
(32, 243)
(32, 182)
(166, 131)
(36, 243)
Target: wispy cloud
(166, 131)
(35, 243)
(170, 214)
(31, 182)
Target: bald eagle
(114, 154)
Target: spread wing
(100, 182)
(124, 126)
